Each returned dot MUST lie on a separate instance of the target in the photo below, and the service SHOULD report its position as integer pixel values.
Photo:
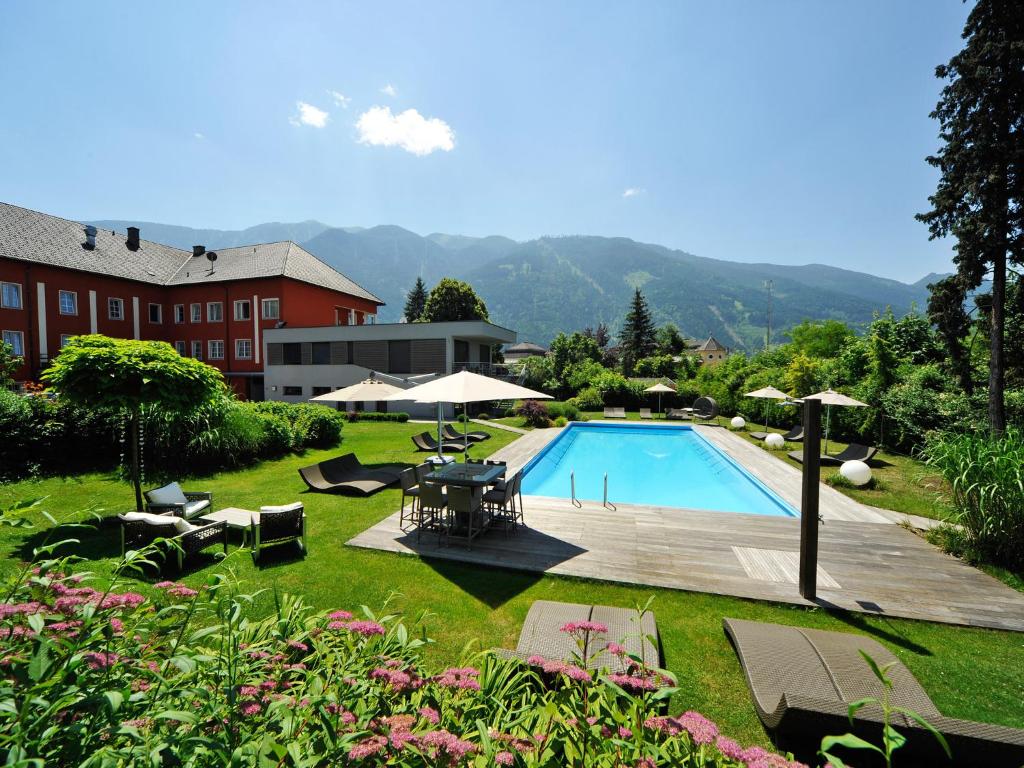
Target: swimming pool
(660, 465)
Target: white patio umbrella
(768, 393)
(367, 391)
(464, 387)
(829, 398)
(659, 388)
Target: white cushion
(169, 494)
(148, 517)
(181, 525)
(193, 508)
(283, 508)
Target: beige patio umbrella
(464, 387)
(768, 393)
(829, 398)
(659, 388)
(367, 391)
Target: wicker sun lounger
(645, 413)
(853, 452)
(345, 474)
(424, 441)
(802, 681)
(795, 435)
(542, 634)
(451, 433)
(615, 413)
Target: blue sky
(789, 132)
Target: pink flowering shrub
(95, 677)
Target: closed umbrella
(464, 387)
(659, 388)
(829, 398)
(367, 391)
(768, 393)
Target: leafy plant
(892, 739)
(535, 413)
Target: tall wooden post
(809, 500)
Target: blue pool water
(669, 466)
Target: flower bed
(93, 677)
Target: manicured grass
(970, 673)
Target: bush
(319, 426)
(484, 416)
(535, 413)
(210, 685)
(588, 399)
(567, 411)
(560, 421)
(277, 436)
(398, 416)
(986, 477)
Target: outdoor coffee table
(238, 519)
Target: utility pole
(769, 284)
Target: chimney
(90, 237)
(133, 238)
(198, 250)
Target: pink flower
(366, 628)
(504, 758)
(448, 743)
(646, 762)
(368, 747)
(430, 714)
(396, 679)
(633, 684)
(100, 660)
(181, 591)
(463, 678)
(117, 625)
(625, 733)
(297, 646)
(250, 708)
(536, 661)
(164, 584)
(249, 690)
(616, 649)
(576, 627)
(339, 615)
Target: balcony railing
(494, 370)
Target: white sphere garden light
(857, 472)
(738, 422)
(774, 440)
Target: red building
(61, 278)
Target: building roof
(712, 345)
(40, 238)
(527, 347)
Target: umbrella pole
(465, 433)
(440, 418)
(828, 415)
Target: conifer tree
(638, 337)
(415, 301)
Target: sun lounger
(424, 441)
(705, 409)
(451, 433)
(615, 413)
(645, 413)
(802, 681)
(345, 474)
(542, 634)
(795, 435)
(679, 413)
(853, 452)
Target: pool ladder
(715, 461)
(579, 504)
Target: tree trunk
(133, 437)
(996, 411)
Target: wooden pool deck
(867, 563)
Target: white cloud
(633, 191)
(340, 99)
(198, 135)
(309, 115)
(409, 130)
(389, 90)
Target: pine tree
(638, 337)
(415, 301)
(980, 195)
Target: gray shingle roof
(711, 345)
(40, 238)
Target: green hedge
(399, 416)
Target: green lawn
(970, 673)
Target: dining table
(475, 477)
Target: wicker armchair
(187, 509)
(279, 525)
(136, 534)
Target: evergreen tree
(638, 337)
(415, 301)
(980, 195)
(946, 312)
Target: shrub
(588, 399)
(560, 421)
(567, 411)
(986, 477)
(484, 416)
(397, 416)
(320, 427)
(277, 435)
(210, 685)
(17, 428)
(535, 413)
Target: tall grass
(986, 477)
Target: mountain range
(552, 284)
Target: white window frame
(197, 350)
(64, 339)
(209, 311)
(209, 349)
(3, 295)
(277, 309)
(113, 301)
(179, 347)
(196, 312)
(159, 313)
(351, 317)
(19, 348)
(369, 319)
(239, 303)
(179, 312)
(238, 353)
(74, 300)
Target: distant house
(711, 352)
(522, 350)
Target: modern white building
(301, 363)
